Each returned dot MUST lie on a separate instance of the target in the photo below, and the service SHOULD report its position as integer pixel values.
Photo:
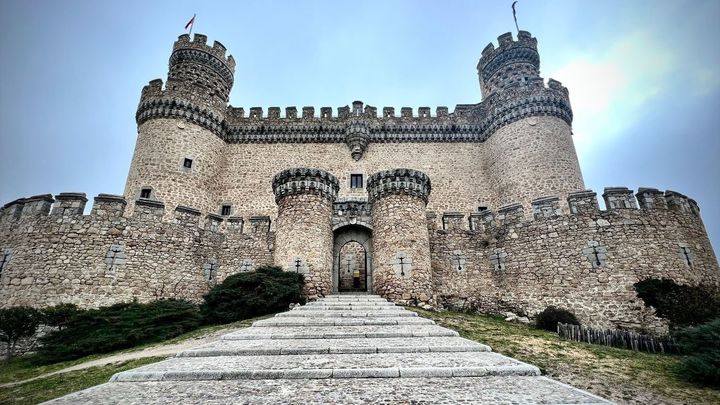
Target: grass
(46, 388)
(55, 386)
(22, 368)
(621, 375)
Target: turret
(531, 152)
(510, 64)
(181, 127)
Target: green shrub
(551, 316)
(59, 315)
(245, 295)
(681, 305)
(117, 327)
(701, 347)
(17, 323)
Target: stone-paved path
(341, 349)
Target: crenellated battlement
(199, 43)
(305, 181)
(238, 116)
(618, 200)
(525, 42)
(109, 208)
(157, 101)
(512, 63)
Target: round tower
(303, 231)
(530, 152)
(180, 128)
(401, 243)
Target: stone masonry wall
(523, 265)
(105, 257)
(456, 170)
(303, 231)
(530, 158)
(401, 245)
(162, 145)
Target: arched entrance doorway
(352, 259)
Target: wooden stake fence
(617, 338)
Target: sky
(644, 77)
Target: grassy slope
(621, 375)
(55, 386)
(43, 389)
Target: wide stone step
(350, 308)
(341, 346)
(349, 303)
(487, 390)
(345, 314)
(384, 365)
(352, 298)
(340, 332)
(395, 320)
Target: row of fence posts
(617, 338)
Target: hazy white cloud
(609, 90)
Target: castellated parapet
(115, 256)
(587, 260)
(213, 189)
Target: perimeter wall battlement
(53, 253)
(586, 260)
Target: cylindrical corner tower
(180, 142)
(303, 231)
(401, 243)
(530, 152)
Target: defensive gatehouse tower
(401, 241)
(304, 237)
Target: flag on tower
(190, 23)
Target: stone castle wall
(456, 169)
(161, 147)
(106, 257)
(529, 158)
(586, 261)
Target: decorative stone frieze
(398, 181)
(305, 181)
(357, 138)
(351, 212)
(180, 109)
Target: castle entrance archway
(352, 259)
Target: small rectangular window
(225, 210)
(356, 181)
(187, 163)
(482, 208)
(145, 193)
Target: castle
(483, 207)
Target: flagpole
(192, 24)
(515, 16)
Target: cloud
(609, 90)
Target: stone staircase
(339, 349)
